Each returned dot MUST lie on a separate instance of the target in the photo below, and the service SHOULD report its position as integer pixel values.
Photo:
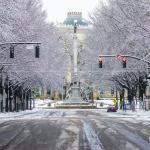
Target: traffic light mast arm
(19, 43)
(128, 56)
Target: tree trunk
(130, 96)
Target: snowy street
(75, 75)
(73, 130)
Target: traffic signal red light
(11, 52)
(100, 62)
(124, 62)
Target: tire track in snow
(134, 138)
(92, 137)
(130, 136)
(12, 139)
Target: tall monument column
(76, 26)
(75, 95)
(75, 54)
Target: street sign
(29, 47)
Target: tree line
(25, 21)
(120, 27)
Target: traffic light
(11, 52)
(37, 51)
(124, 62)
(100, 62)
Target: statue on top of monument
(75, 28)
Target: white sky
(57, 9)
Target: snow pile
(43, 103)
(105, 103)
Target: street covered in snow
(76, 129)
(81, 82)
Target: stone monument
(75, 94)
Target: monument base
(73, 105)
(75, 95)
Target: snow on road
(79, 129)
(136, 139)
(40, 113)
(93, 140)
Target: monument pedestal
(75, 95)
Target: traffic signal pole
(11, 46)
(123, 59)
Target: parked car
(111, 109)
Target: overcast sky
(57, 9)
